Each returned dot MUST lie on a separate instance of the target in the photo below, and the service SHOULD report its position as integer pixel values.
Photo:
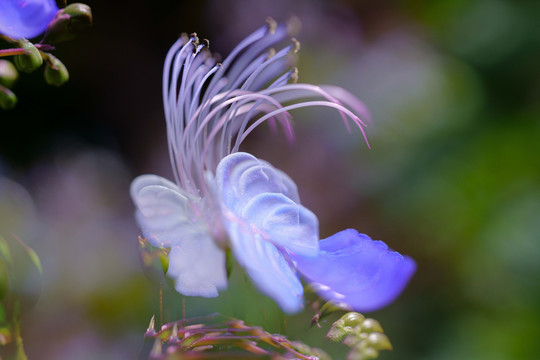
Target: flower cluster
(226, 199)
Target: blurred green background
(452, 178)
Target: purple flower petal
(244, 176)
(26, 18)
(354, 269)
(265, 200)
(267, 267)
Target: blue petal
(242, 176)
(267, 267)
(266, 201)
(357, 270)
(26, 19)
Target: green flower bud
(371, 325)
(31, 59)
(68, 23)
(360, 352)
(55, 73)
(379, 341)
(370, 353)
(336, 332)
(8, 99)
(351, 340)
(353, 318)
(8, 74)
(81, 16)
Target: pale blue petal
(266, 201)
(357, 270)
(164, 212)
(281, 221)
(197, 266)
(26, 18)
(243, 176)
(166, 218)
(267, 267)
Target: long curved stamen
(350, 114)
(209, 106)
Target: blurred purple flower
(223, 198)
(26, 18)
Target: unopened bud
(379, 341)
(55, 72)
(361, 352)
(337, 332)
(353, 318)
(8, 74)
(371, 325)
(31, 59)
(370, 353)
(8, 99)
(68, 23)
(81, 16)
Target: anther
(271, 52)
(272, 25)
(294, 75)
(296, 44)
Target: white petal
(197, 265)
(163, 211)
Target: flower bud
(371, 325)
(31, 59)
(379, 341)
(336, 332)
(353, 318)
(55, 72)
(8, 74)
(8, 99)
(68, 23)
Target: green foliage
(13, 294)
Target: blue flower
(26, 18)
(226, 199)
